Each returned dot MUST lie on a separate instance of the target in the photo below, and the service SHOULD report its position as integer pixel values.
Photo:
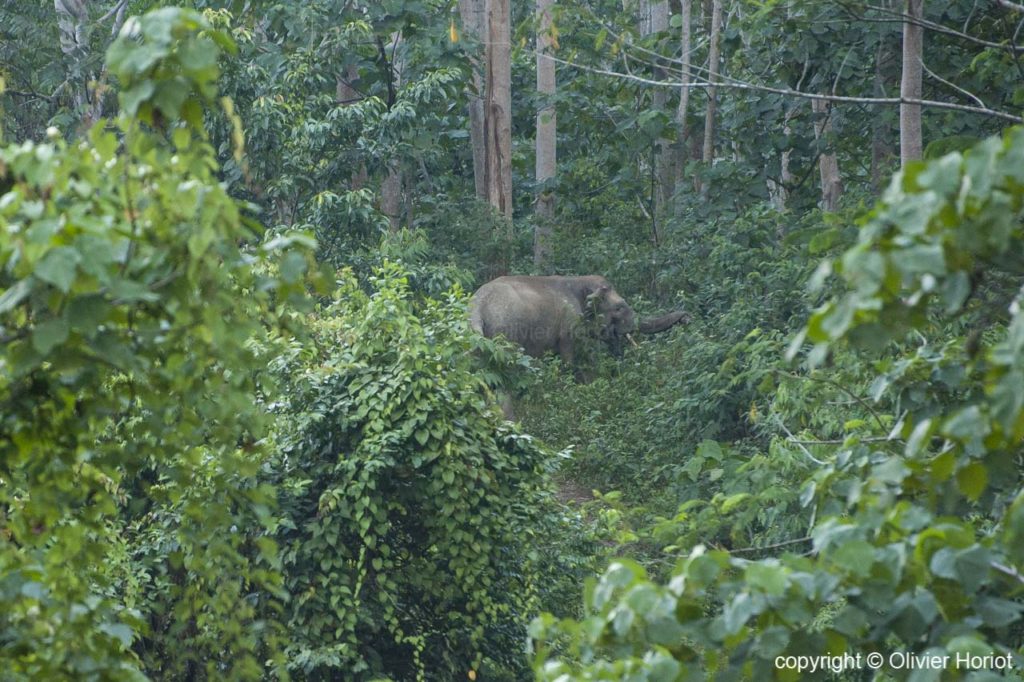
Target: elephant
(548, 314)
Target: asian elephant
(548, 314)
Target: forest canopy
(249, 430)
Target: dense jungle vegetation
(246, 430)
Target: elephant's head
(613, 315)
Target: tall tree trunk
(391, 196)
(828, 164)
(778, 191)
(473, 15)
(498, 107)
(73, 25)
(346, 93)
(391, 186)
(910, 83)
(881, 150)
(682, 131)
(546, 136)
(713, 58)
(655, 20)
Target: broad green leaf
(58, 267)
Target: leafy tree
(133, 286)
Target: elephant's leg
(506, 406)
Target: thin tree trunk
(713, 57)
(910, 83)
(346, 94)
(778, 191)
(498, 108)
(473, 15)
(546, 136)
(682, 130)
(391, 186)
(73, 26)
(881, 150)
(828, 164)
(656, 21)
(391, 196)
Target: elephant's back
(525, 310)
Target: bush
(408, 508)
(917, 539)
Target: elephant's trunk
(656, 325)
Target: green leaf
(768, 577)
(738, 611)
(922, 259)
(972, 480)
(118, 631)
(85, 313)
(709, 449)
(57, 267)
(133, 97)
(998, 612)
(15, 295)
(855, 556)
(732, 501)
(50, 334)
(170, 96)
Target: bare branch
(735, 84)
(118, 6)
(902, 17)
(840, 441)
(952, 85)
(1012, 6)
(777, 545)
(1007, 571)
(793, 439)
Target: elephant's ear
(592, 302)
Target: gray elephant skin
(547, 314)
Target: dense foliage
(404, 504)
(247, 452)
(918, 530)
(132, 287)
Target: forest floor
(570, 490)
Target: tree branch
(902, 17)
(952, 85)
(735, 84)
(784, 543)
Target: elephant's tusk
(628, 336)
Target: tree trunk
(713, 58)
(472, 13)
(881, 150)
(73, 25)
(546, 137)
(498, 108)
(910, 83)
(391, 186)
(778, 191)
(828, 164)
(682, 131)
(391, 196)
(655, 20)
(346, 94)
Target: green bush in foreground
(127, 425)
(408, 508)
